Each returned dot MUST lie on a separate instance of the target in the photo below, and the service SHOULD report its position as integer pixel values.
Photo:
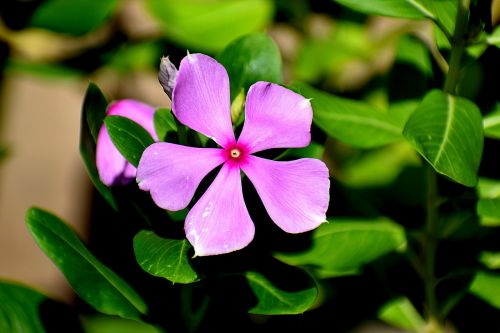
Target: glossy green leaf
(272, 299)
(128, 137)
(488, 210)
(164, 122)
(448, 132)
(343, 246)
(163, 257)
(401, 313)
(491, 123)
(353, 122)
(250, 59)
(487, 287)
(92, 117)
(92, 281)
(210, 25)
(109, 324)
(75, 17)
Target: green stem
(457, 47)
(430, 245)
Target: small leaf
(92, 281)
(24, 310)
(164, 257)
(210, 25)
(447, 131)
(250, 59)
(345, 245)
(487, 287)
(402, 314)
(164, 122)
(352, 122)
(274, 300)
(66, 16)
(93, 113)
(494, 38)
(490, 259)
(488, 210)
(488, 188)
(491, 123)
(130, 138)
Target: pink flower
(112, 167)
(295, 193)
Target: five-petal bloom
(294, 193)
(112, 167)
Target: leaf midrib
(449, 121)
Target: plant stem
(457, 47)
(430, 247)
(434, 320)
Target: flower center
(235, 153)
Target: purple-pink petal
(112, 167)
(294, 193)
(219, 222)
(200, 99)
(275, 117)
(171, 172)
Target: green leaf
(250, 59)
(442, 11)
(487, 287)
(92, 281)
(164, 122)
(93, 113)
(402, 314)
(352, 122)
(273, 299)
(211, 25)
(488, 188)
(447, 131)
(490, 259)
(494, 38)
(128, 137)
(412, 9)
(413, 52)
(488, 210)
(378, 167)
(109, 324)
(75, 17)
(343, 246)
(491, 123)
(24, 310)
(163, 257)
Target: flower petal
(275, 117)
(112, 167)
(200, 99)
(295, 193)
(173, 172)
(219, 222)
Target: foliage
(411, 143)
